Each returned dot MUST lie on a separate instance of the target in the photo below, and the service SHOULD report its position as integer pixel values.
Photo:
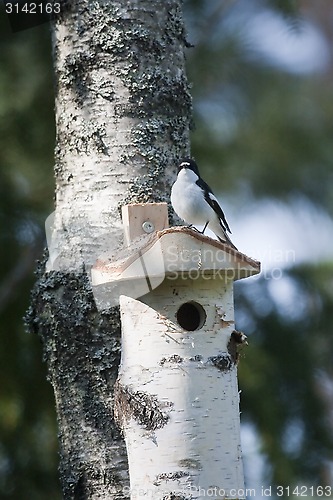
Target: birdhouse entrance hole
(191, 316)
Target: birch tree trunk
(122, 115)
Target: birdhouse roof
(170, 251)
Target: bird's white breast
(188, 201)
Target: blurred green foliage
(264, 131)
(28, 442)
(260, 130)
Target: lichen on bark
(82, 351)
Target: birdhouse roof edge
(210, 241)
(123, 260)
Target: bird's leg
(192, 227)
(204, 229)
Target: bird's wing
(212, 201)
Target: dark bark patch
(172, 476)
(80, 488)
(226, 360)
(93, 480)
(144, 408)
(190, 463)
(75, 73)
(175, 358)
(177, 496)
(169, 476)
(237, 339)
(223, 362)
(197, 357)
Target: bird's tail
(221, 233)
(228, 241)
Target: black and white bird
(195, 203)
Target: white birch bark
(122, 119)
(177, 394)
(122, 116)
(183, 437)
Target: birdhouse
(177, 397)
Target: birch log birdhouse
(177, 398)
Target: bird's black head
(190, 164)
